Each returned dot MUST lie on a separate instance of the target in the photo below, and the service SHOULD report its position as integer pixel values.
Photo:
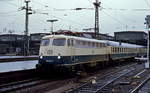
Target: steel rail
(20, 85)
(135, 90)
(102, 82)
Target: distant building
(11, 37)
(37, 36)
(136, 37)
(14, 43)
(35, 40)
(11, 43)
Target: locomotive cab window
(59, 42)
(45, 42)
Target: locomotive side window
(97, 45)
(84, 43)
(89, 43)
(93, 44)
(112, 50)
(102, 45)
(68, 42)
(59, 42)
(72, 44)
(45, 42)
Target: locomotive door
(71, 49)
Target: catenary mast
(97, 5)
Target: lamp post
(52, 23)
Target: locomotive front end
(52, 51)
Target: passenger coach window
(59, 42)
(45, 42)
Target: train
(71, 52)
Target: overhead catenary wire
(15, 5)
(9, 12)
(65, 20)
(93, 9)
(12, 15)
(115, 19)
(54, 9)
(39, 3)
(78, 23)
(45, 13)
(124, 9)
(68, 20)
(46, 6)
(90, 2)
(147, 3)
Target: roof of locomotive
(110, 43)
(73, 37)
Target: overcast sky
(115, 15)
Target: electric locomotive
(58, 51)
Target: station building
(14, 43)
(35, 40)
(135, 37)
(10, 43)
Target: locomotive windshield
(45, 42)
(59, 42)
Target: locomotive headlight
(59, 56)
(41, 57)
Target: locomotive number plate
(49, 60)
(49, 51)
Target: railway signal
(147, 19)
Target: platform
(2, 57)
(18, 65)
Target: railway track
(3, 60)
(22, 80)
(35, 84)
(19, 85)
(8, 77)
(15, 80)
(136, 89)
(133, 83)
(102, 85)
(105, 83)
